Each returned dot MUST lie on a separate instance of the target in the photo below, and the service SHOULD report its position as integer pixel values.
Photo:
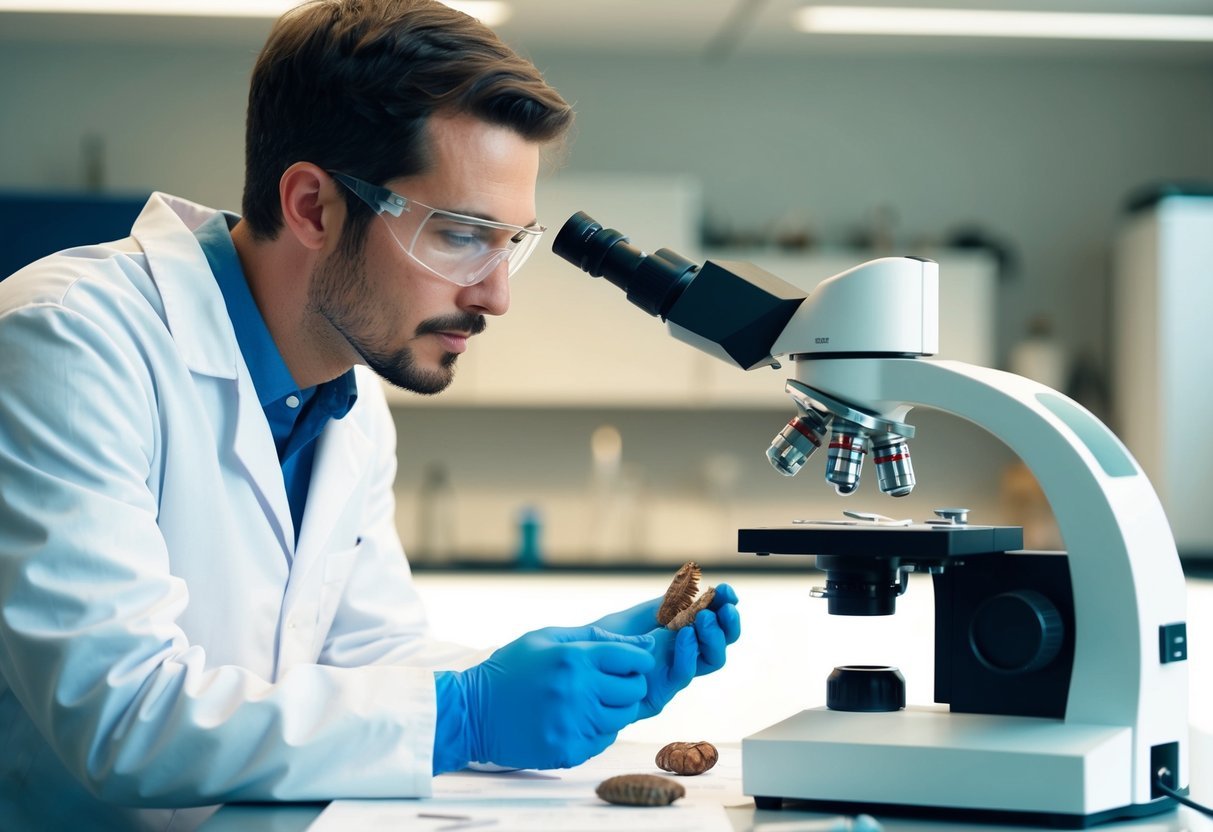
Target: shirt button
(292, 402)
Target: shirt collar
(269, 372)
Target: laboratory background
(1064, 185)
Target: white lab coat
(164, 642)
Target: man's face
(406, 323)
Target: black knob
(862, 687)
(1016, 632)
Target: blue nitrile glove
(681, 656)
(551, 699)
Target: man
(202, 594)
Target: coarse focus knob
(869, 688)
(1016, 632)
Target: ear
(312, 210)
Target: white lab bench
(789, 645)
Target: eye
(457, 239)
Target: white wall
(1041, 151)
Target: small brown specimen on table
(640, 790)
(687, 757)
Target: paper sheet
(562, 801)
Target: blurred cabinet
(570, 340)
(1163, 293)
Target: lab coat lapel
(254, 447)
(335, 498)
(198, 320)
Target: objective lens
(800, 437)
(847, 448)
(894, 471)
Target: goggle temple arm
(380, 199)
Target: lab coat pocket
(337, 569)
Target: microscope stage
(935, 542)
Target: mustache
(460, 322)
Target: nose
(490, 296)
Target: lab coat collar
(198, 319)
(193, 305)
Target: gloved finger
(591, 632)
(663, 644)
(725, 594)
(711, 642)
(633, 621)
(622, 659)
(686, 657)
(730, 622)
(606, 722)
(618, 691)
(600, 743)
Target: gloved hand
(682, 655)
(551, 699)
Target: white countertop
(788, 647)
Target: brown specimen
(639, 790)
(687, 757)
(680, 604)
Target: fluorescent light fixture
(876, 20)
(183, 8)
(489, 12)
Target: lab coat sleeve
(88, 639)
(381, 618)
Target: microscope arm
(1123, 564)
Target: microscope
(1061, 680)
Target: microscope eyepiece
(585, 243)
(734, 311)
(654, 282)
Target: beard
(338, 293)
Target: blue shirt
(296, 417)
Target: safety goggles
(462, 249)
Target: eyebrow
(534, 222)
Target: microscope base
(929, 761)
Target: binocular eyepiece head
(654, 282)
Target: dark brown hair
(350, 84)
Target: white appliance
(1162, 335)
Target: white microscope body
(1127, 583)
(1117, 723)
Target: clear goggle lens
(464, 250)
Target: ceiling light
(185, 8)
(489, 12)
(874, 20)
